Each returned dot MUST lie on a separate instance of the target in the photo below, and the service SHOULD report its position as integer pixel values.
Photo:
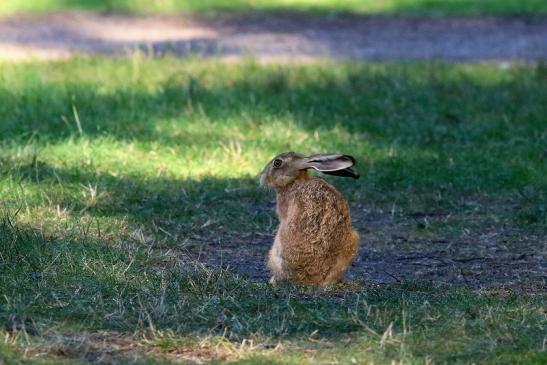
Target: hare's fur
(315, 242)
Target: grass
(452, 7)
(116, 172)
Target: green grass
(113, 170)
(461, 7)
(68, 286)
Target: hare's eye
(277, 163)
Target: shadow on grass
(221, 222)
(434, 126)
(122, 286)
(424, 106)
(230, 223)
(442, 135)
(216, 205)
(63, 282)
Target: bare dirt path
(273, 37)
(393, 250)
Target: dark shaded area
(391, 252)
(64, 268)
(62, 280)
(177, 210)
(423, 106)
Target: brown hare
(315, 242)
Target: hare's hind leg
(343, 261)
(275, 262)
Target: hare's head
(289, 166)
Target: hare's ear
(332, 164)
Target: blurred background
(277, 30)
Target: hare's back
(318, 193)
(317, 228)
(319, 204)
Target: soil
(277, 37)
(393, 250)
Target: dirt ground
(277, 37)
(393, 250)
